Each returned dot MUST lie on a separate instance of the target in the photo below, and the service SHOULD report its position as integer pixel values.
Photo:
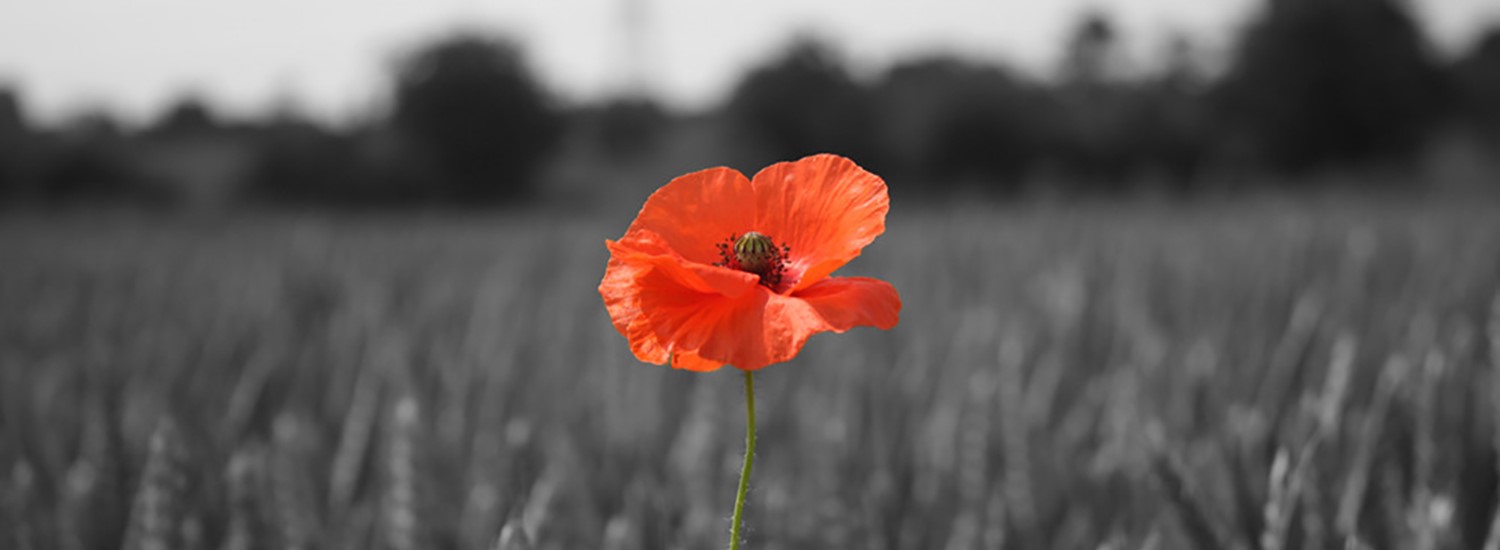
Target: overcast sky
(331, 57)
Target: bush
(15, 141)
(1317, 83)
(802, 103)
(945, 120)
(631, 128)
(90, 160)
(470, 111)
(1477, 76)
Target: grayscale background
(1176, 274)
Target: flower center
(755, 253)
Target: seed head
(755, 253)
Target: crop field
(1263, 375)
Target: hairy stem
(739, 498)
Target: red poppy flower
(719, 269)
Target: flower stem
(739, 498)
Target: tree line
(1310, 86)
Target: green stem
(739, 499)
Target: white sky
(331, 57)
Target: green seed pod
(755, 253)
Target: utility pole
(634, 67)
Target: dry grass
(1258, 376)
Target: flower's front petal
(692, 213)
(687, 360)
(833, 304)
(622, 299)
(641, 254)
(711, 326)
(846, 302)
(646, 247)
(761, 327)
(825, 207)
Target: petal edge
(847, 302)
(825, 207)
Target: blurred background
(348, 104)
(1176, 274)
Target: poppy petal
(694, 212)
(845, 302)
(761, 327)
(824, 207)
(641, 253)
(646, 247)
(622, 300)
(687, 360)
(833, 304)
(714, 326)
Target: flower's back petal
(846, 302)
(694, 212)
(825, 207)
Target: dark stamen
(755, 253)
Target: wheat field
(1261, 374)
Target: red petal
(622, 299)
(712, 326)
(688, 360)
(845, 302)
(761, 327)
(825, 207)
(643, 253)
(644, 246)
(694, 212)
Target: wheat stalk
(1492, 540)
(512, 537)
(16, 500)
(294, 508)
(354, 440)
(157, 513)
(244, 476)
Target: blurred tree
(471, 111)
(1095, 126)
(946, 121)
(631, 127)
(1169, 116)
(91, 161)
(1477, 77)
(16, 144)
(802, 103)
(1091, 55)
(298, 161)
(1318, 83)
(189, 115)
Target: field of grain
(1258, 375)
